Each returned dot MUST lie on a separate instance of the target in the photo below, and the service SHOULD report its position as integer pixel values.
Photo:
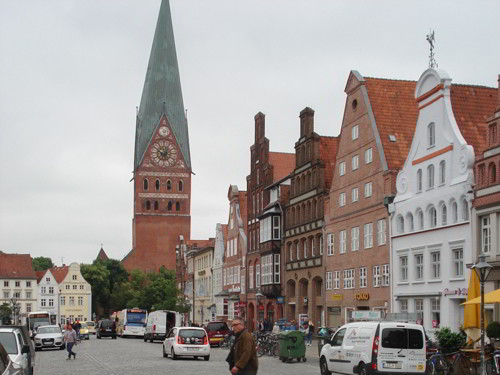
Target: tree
(42, 263)
(97, 275)
(5, 314)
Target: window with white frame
(313, 247)
(419, 267)
(342, 168)
(362, 277)
(269, 229)
(403, 268)
(28, 307)
(458, 263)
(297, 248)
(400, 224)
(386, 277)
(368, 189)
(80, 301)
(376, 276)
(72, 301)
(349, 281)
(368, 235)
(276, 228)
(442, 172)
(381, 232)
(51, 289)
(454, 211)
(342, 199)
(329, 280)
(432, 217)
(336, 280)
(420, 219)
(257, 275)
(355, 194)
(409, 220)
(486, 234)
(63, 300)
(355, 132)
(28, 295)
(342, 241)
(355, 239)
(435, 265)
(43, 302)
(267, 269)
(419, 180)
(368, 156)
(44, 289)
(321, 245)
(436, 310)
(305, 248)
(403, 305)
(330, 244)
(230, 271)
(277, 275)
(431, 135)
(444, 214)
(430, 176)
(225, 276)
(465, 209)
(355, 162)
(419, 309)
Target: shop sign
(455, 292)
(334, 310)
(280, 300)
(362, 296)
(337, 297)
(367, 314)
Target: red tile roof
(472, 105)
(102, 255)
(39, 276)
(328, 153)
(395, 110)
(59, 273)
(200, 244)
(283, 164)
(16, 266)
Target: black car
(106, 328)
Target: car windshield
(190, 333)
(83, 325)
(90, 324)
(8, 340)
(49, 330)
(106, 323)
(217, 327)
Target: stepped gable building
(430, 217)
(233, 279)
(18, 280)
(376, 134)
(314, 162)
(162, 161)
(486, 205)
(265, 168)
(48, 294)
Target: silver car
(7, 367)
(49, 337)
(18, 351)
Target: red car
(216, 332)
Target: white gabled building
(430, 215)
(48, 293)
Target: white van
(159, 323)
(375, 348)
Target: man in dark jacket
(242, 358)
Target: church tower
(162, 161)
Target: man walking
(70, 340)
(242, 358)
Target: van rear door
(401, 349)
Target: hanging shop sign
(280, 300)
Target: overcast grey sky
(72, 71)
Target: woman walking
(70, 340)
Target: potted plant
(493, 331)
(449, 341)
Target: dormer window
(431, 135)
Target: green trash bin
(292, 346)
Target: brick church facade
(162, 162)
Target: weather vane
(432, 61)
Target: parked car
(187, 341)
(159, 323)
(375, 348)
(84, 331)
(91, 327)
(216, 332)
(17, 347)
(106, 328)
(49, 337)
(7, 367)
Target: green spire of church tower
(162, 93)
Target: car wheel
(324, 367)
(362, 369)
(88, 338)
(165, 355)
(172, 353)
(207, 358)
(304, 359)
(114, 337)
(151, 339)
(145, 339)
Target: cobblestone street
(134, 356)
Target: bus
(36, 319)
(131, 322)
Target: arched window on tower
(145, 184)
(157, 185)
(156, 205)
(169, 185)
(177, 206)
(169, 206)
(181, 185)
(148, 205)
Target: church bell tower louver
(162, 160)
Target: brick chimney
(306, 122)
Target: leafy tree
(449, 341)
(5, 313)
(97, 275)
(493, 330)
(117, 273)
(160, 292)
(42, 263)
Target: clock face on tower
(163, 154)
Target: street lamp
(482, 270)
